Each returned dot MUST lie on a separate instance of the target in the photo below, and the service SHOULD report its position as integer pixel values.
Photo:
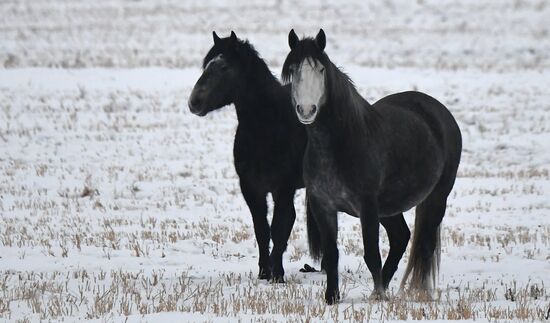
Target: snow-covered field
(117, 204)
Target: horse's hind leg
(256, 201)
(284, 216)
(399, 235)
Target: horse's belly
(401, 195)
(391, 204)
(412, 173)
(268, 174)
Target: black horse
(374, 162)
(269, 142)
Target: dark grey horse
(373, 162)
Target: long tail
(424, 260)
(313, 234)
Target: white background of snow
(123, 122)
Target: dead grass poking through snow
(118, 202)
(95, 294)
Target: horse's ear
(233, 37)
(321, 40)
(292, 39)
(216, 38)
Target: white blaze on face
(215, 59)
(308, 90)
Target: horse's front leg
(284, 216)
(256, 201)
(327, 222)
(370, 225)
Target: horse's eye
(322, 69)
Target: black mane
(305, 49)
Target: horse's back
(435, 115)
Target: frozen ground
(116, 203)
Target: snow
(118, 204)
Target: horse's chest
(262, 160)
(323, 180)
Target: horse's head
(215, 87)
(305, 67)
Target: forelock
(304, 49)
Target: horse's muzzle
(306, 113)
(194, 104)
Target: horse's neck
(332, 132)
(320, 137)
(257, 101)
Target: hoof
(264, 274)
(332, 299)
(378, 296)
(278, 280)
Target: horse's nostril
(195, 102)
(299, 109)
(314, 109)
